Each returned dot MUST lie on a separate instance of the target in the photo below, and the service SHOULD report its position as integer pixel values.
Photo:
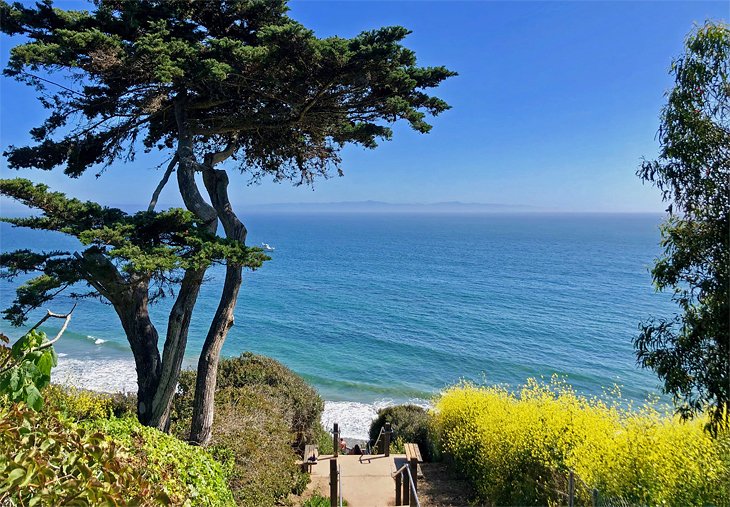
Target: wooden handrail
(411, 483)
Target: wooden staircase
(368, 480)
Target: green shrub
(410, 424)
(189, 475)
(301, 402)
(78, 404)
(123, 404)
(317, 500)
(251, 429)
(25, 368)
(263, 414)
(48, 460)
(323, 440)
(518, 448)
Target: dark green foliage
(208, 82)
(246, 72)
(263, 413)
(25, 368)
(47, 460)
(155, 244)
(323, 440)
(187, 474)
(410, 424)
(691, 351)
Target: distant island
(388, 207)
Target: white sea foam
(108, 375)
(354, 418)
(119, 375)
(97, 341)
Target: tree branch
(8, 364)
(161, 185)
(314, 100)
(52, 82)
(213, 159)
(101, 274)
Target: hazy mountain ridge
(382, 207)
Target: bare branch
(161, 185)
(8, 364)
(52, 82)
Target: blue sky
(555, 105)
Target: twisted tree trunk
(130, 299)
(174, 349)
(216, 182)
(132, 309)
(181, 313)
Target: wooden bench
(402, 487)
(413, 452)
(311, 453)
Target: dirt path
(369, 483)
(439, 487)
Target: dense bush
(303, 406)
(323, 441)
(317, 500)
(80, 440)
(515, 448)
(251, 433)
(78, 404)
(188, 475)
(46, 459)
(263, 414)
(410, 424)
(25, 368)
(300, 404)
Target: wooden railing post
(398, 486)
(333, 482)
(414, 476)
(336, 440)
(571, 489)
(386, 439)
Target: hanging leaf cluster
(25, 368)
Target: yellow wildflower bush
(518, 447)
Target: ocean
(375, 309)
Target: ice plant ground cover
(517, 447)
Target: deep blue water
(370, 307)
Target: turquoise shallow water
(372, 307)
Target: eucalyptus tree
(691, 351)
(226, 87)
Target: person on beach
(343, 446)
(356, 450)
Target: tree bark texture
(133, 312)
(216, 183)
(175, 342)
